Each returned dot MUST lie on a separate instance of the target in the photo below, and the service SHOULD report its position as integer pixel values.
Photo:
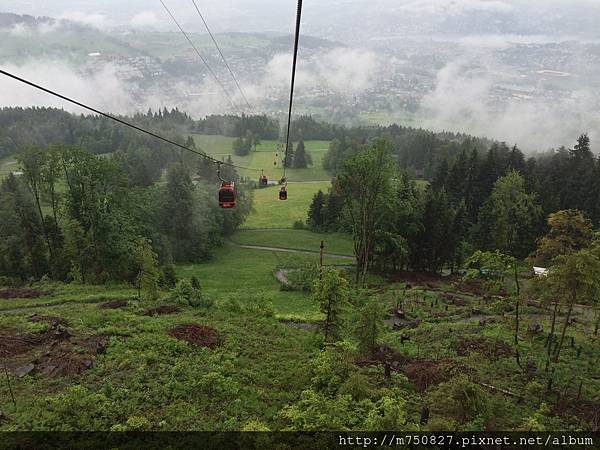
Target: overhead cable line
(222, 56)
(295, 58)
(123, 122)
(214, 75)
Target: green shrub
(77, 409)
(260, 305)
(301, 274)
(255, 425)
(535, 390)
(388, 414)
(168, 277)
(459, 399)
(186, 294)
(299, 225)
(333, 366)
(134, 423)
(9, 281)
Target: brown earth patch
(589, 412)
(382, 355)
(431, 280)
(114, 304)
(424, 373)
(22, 293)
(63, 364)
(198, 335)
(57, 352)
(476, 287)
(50, 320)
(161, 310)
(484, 346)
(18, 344)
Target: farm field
(264, 156)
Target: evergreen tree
(509, 219)
(334, 205)
(148, 274)
(300, 161)
(331, 292)
(178, 212)
(316, 219)
(288, 158)
(370, 326)
(22, 248)
(243, 145)
(434, 245)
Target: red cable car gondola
(263, 181)
(227, 195)
(283, 193)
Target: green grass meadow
(270, 212)
(245, 274)
(336, 243)
(264, 158)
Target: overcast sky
(322, 18)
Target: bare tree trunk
(564, 330)
(43, 221)
(328, 320)
(553, 325)
(517, 322)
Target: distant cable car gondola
(227, 194)
(263, 181)
(283, 193)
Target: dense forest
(476, 200)
(419, 151)
(92, 207)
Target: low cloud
(23, 29)
(455, 7)
(105, 86)
(95, 20)
(463, 100)
(145, 19)
(100, 88)
(346, 71)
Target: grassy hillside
(270, 212)
(62, 43)
(264, 157)
(239, 274)
(336, 243)
(144, 378)
(122, 369)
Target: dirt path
(289, 250)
